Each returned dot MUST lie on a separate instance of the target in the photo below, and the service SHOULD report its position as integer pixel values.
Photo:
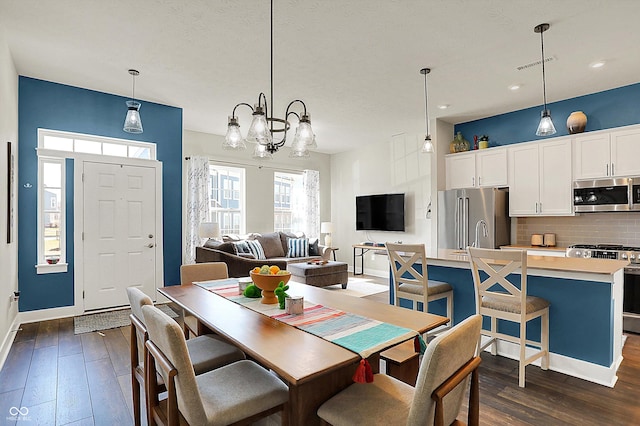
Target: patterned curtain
(197, 203)
(311, 184)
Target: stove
(606, 251)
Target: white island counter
(585, 316)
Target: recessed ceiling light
(515, 86)
(597, 64)
(445, 106)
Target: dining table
(314, 369)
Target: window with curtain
(288, 197)
(227, 198)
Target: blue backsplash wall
(55, 106)
(604, 110)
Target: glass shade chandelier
(427, 146)
(546, 127)
(264, 127)
(132, 122)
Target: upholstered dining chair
(194, 273)
(409, 283)
(206, 352)
(498, 298)
(437, 397)
(242, 391)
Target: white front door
(119, 233)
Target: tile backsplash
(586, 228)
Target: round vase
(576, 122)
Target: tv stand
(359, 250)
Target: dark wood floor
(67, 379)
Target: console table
(359, 250)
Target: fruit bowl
(268, 283)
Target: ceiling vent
(536, 63)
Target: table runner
(361, 335)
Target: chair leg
(523, 348)
(544, 340)
(135, 390)
(494, 331)
(450, 309)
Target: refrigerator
(460, 212)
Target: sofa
(241, 254)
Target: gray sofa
(233, 252)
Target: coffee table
(319, 275)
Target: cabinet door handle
(536, 207)
(612, 172)
(540, 207)
(607, 169)
(479, 181)
(473, 181)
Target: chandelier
(264, 127)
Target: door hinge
(83, 294)
(82, 235)
(83, 177)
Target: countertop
(550, 263)
(522, 247)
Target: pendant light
(546, 127)
(132, 123)
(427, 147)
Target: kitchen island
(585, 316)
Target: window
(227, 198)
(287, 203)
(51, 224)
(96, 145)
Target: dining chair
(206, 352)
(239, 392)
(500, 299)
(435, 400)
(414, 284)
(199, 272)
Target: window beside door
(51, 215)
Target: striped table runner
(356, 333)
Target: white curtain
(197, 203)
(311, 183)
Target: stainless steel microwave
(604, 195)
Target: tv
(381, 212)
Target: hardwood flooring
(67, 379)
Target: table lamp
(209, 230)
(326, 228)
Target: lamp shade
(259, 129)
(209, 230)
(233, 139)
(132, 122)
(326, 227)
(546, 127)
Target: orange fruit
(256, 270)
(274, 269)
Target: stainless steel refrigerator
(459, 213)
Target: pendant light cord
(426, 104)
(544, 80)
(271, 41)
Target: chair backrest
(167, 335)
(137, 299)
(444, 355)
(203, 272)
(402, 258)
(498, 264)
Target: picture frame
(10, 196)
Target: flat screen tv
(381, 212)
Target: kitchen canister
(537, 239)
(549, 240)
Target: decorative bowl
(268, 283)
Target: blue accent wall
(54, 106)
(605, 110)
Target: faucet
(485, 232)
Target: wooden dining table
(313, 368)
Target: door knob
(150, 235)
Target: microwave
(635, 194)
(604, 195)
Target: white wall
(8, 252)
(259, 176)
(392, 166)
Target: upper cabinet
(540, 182)
(607, 154)
(477, 169)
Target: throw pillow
(256, 249)
(271, 244)
(242, 247)
(225, 247)
(298, 247)
(313, 247)
(284, 237)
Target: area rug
(111, 319)
(359, 287)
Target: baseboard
(589, 371)
(48, 314)
(7, 342)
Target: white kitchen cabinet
(477, 169)
(540, 180)
(607, 154)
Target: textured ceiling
(355, 63)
